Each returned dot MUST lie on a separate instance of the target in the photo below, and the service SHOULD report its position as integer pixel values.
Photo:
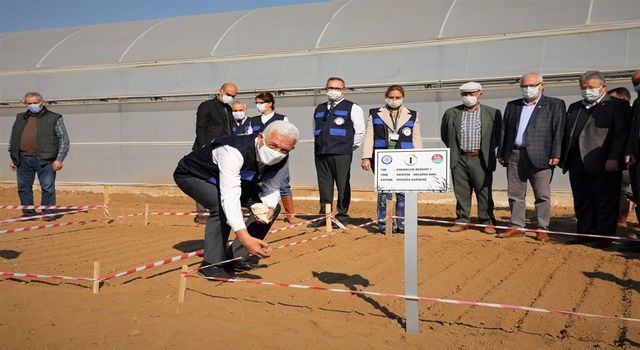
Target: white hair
(240, 103)
(592, 74)
(283, 128)
(535, 74)
(32, 94)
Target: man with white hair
(471, 130)
(240, 123)
(532, 130)
(233, 172)
(593, 150)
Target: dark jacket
(543, 133)
(491, 123)
(212, 120)
(48, 143)
(256, 122)
(633, 147)
(600, 133)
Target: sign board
(412, 170)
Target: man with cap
(531, 145)
(232, 172)
(472, 131)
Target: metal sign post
(412, 171)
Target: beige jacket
(383, 112)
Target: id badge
(394, 136)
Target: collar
(535, 102)
(336, 102)
(269, 116)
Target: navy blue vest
(256, 122)
(334, 129)
(381, 132)
(244, 128)
(199, 164)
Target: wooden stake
(105, 193)
(327, 210)
(96, 276)
(183, 283)
(146, 214)
(388, 222)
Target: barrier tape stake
(411, 262)
(327, 210)
(183, 283)
(96, 277)
(105, 194)
(146, 214)
(388, 221)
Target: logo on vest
(406, 131)
(437, 158)
(339, 121)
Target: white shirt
(229, 161)
(266, 117)
(525, 116)
(357, 118)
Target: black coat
(600, 137)
(211, 121)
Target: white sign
(412, 170)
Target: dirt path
(141, 310)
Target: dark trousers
(334, 168)
(634, 179)
(596, 199)
(216, 232)
(26, 173)
(470, 175)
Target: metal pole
(411, 261)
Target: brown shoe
(457, 228)
(490, 230)
(511, 232)
(542, 237)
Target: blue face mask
(35, 108)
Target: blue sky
(22, 15)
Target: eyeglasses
(530, 85)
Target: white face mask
(334, 95)
(226, 99)
(261, 107)
(469, 101)
(238, 115)
(591, 95)
(394, 103)
(530, 92)
(269, 156)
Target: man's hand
(630, 159)
(253, 245)
(269, 217)
(554, 161)
(57, 165)
(12, 166)
(611, 165)
(366, 164)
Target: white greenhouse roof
(367, 42)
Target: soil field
(141, 311)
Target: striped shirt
(470, 130)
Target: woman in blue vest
(392, 126)
(265, 104)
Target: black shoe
(52, 218)
(603, 243)
(246, 265)
(344, 220)
(28, 216)
(317, 224)
(214, 271)
(581, 240)
(200, 219)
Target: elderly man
(531, 146)
(593, 150)
(338, 127)
(213, 119)
(232, 172)
(38, 145)
(472, 132)
(240, 124)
